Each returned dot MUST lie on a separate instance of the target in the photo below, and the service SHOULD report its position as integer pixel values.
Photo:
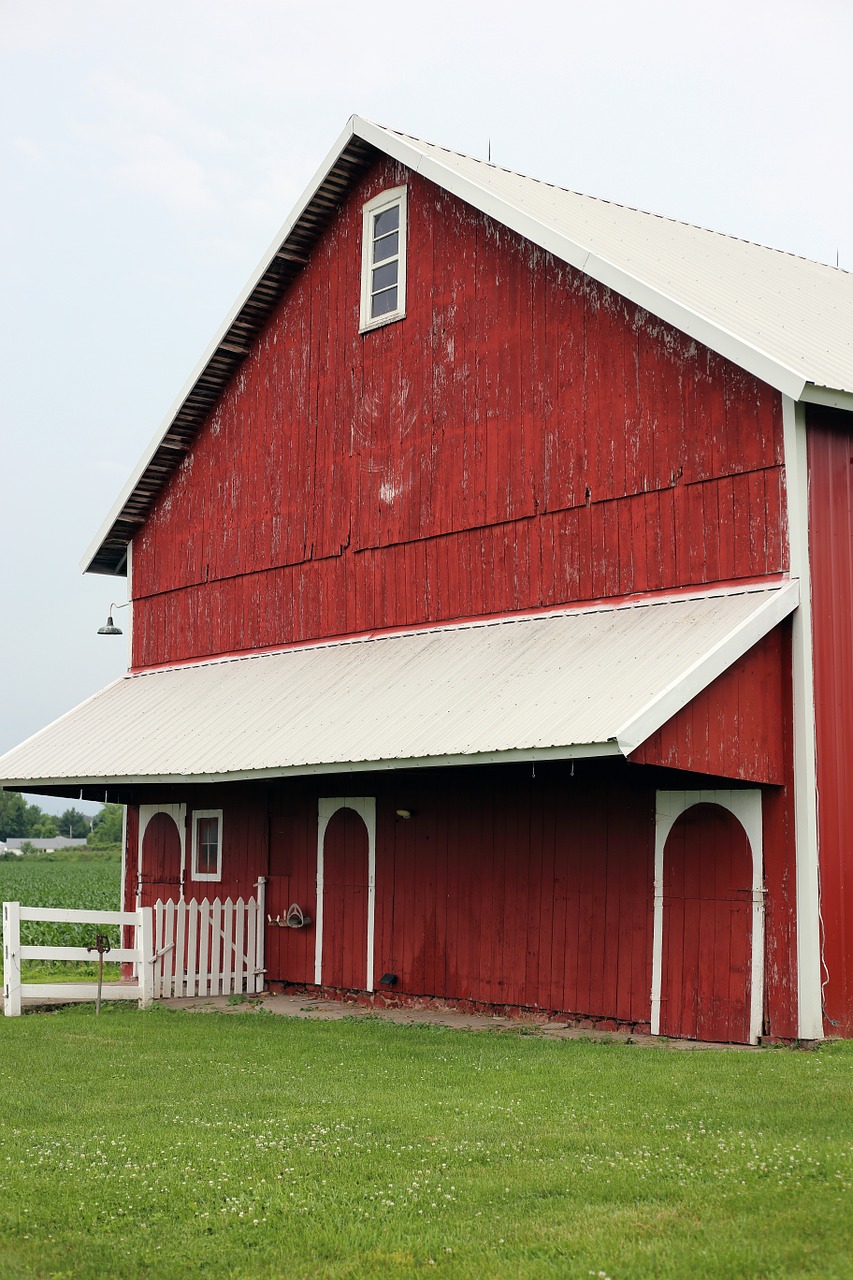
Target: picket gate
(179, 949)
(204, 948)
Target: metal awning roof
(785, 319)
(574, 683)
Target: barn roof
(785, 319)
(574, 683)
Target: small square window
(383, 259)
(207, 844)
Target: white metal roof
(578, 682)
(785, 319)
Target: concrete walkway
(323, 1010)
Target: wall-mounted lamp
(404, 813)
(109, 628)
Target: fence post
(260, 936)
(145, 945)
(12, 959)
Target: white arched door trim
(746, 807)
(365, 807)
(178, 813)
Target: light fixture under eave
(110, 628)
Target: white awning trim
(567, 684)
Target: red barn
(492, 601)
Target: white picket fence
(209, 948)
(15, 991)
(180, 949)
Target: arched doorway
(345, 879)
(161, 859)
(709, 918)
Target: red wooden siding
(524, 437)
(707, 927)
(535, 895)
(732, 729)
(501, 888)
(830, 463)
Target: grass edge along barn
(492, 604)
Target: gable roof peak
(785, 319)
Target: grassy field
(79, 878)
(166, 1144)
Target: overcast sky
(150, 151)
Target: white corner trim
(706, 669)
(365, 807)
(809, 1001)
(746, 807)
(178, 814)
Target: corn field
(77, 885)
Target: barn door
(161, 853)
(709, 919)
(345, 893)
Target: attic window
(383, 259)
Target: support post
(145, 946)
(260, 936)
(12, 959)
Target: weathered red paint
(732, 729)
(706, 977)
(525, 437)
(830, 468)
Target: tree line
(29, 821)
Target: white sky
(150, 151)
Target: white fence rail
(180, 949)
(209, 948)
(15, 991)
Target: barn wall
(524, 437)
(732, 728)
(830, 466)
(503, 887)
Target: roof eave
(89, 564)
(577, 751)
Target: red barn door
(161, 860)
(346, 849)
(706, 961)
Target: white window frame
(385, 200)
(206, 875)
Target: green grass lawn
(171, 1144)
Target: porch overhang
(573, 683)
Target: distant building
(52, 844)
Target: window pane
(387, 220)
(384, 277)
(386, 247)
(382, 303)
(207, 835)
